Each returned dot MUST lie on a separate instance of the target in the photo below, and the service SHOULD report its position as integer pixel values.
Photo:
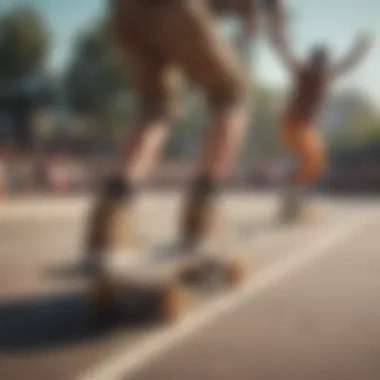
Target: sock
(205, 187)
(116, 188)
(198, 214)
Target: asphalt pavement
(310, 310)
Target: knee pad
(116, 188)
(205, 187)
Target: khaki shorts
(162, 39)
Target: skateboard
(167, 288)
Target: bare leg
(308, 152)
(221, 142)
(141, 149)
(218, 153)
(111, 223)
(155, 82)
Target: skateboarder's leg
(155, 89)
(306, 146)
(311, 159)
(210, 62)
(185, 33)
(154, 80)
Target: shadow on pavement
(58, 320)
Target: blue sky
(331, 21)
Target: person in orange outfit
(298, 126)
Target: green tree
(359, 122)
(95, 82)
(24, 44)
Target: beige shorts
(163, 39)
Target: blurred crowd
(57, 175)
(70, 175)
(64, 175)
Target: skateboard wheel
(173, 303)
(236, 272)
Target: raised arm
(359, 49)
(276, 16)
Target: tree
(94, 80)
(354, 120)
(24, 43)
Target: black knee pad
(116, 188)
(206, 187)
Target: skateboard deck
(168, 285)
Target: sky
(332, 21)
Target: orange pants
(305, 144)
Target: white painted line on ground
(125, 364)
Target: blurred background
(64, 104)
(63, 93)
